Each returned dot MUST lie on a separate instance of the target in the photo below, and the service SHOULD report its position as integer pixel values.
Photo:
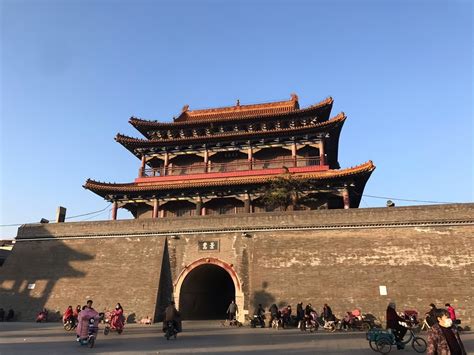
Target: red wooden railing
(239, 165)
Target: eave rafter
(103, 189)
(132, 144)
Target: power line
(79, 215)
(87, 214)
(403, 199)
(97, 215)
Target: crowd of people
(443, 336)
(286, 317)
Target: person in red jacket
(452, 313)
(68, 314)
(117, 320)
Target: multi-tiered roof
(211, 155)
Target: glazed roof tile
(103, 188)
(137, 142)
(233, 113)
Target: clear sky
(74, 71)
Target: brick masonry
(422, 254)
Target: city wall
(422, 254)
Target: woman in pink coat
(83, 320)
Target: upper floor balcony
(235, 166)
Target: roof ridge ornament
(185, 108)
(294, 97)
(238, 103)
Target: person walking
(443, 338)
(232, 310)
(274, 314)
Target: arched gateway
(205, 288)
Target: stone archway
(204, 289)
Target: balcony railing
(240, 165)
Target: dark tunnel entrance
(206, 293)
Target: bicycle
(385, 340)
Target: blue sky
(73, 72)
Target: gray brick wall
(422, 254)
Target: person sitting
(172, 315)
(83, 318)
(308, 309)
(443, 338)
(68, 315)
(117, 319)
(76, 312)
(286, 315)
(42, 316)
(347, 321)
(327, 313)
(393, 323)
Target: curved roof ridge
(286, 105)
(234, 113)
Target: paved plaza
(204, 337)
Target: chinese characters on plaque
(208, 245)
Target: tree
(284, 191)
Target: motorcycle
(309, 322)
(328, 325)
(70, 324)
(109, 326)
(171, 330)
(257, 321)
(92, 330)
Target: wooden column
(142, 167)
(247, 204)
(346, 199)
(114, 210)
(322, 157)
(156, 205)
(167, 160)
(198, 206)
(293, 154)
(250, 157)
(206, 160)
